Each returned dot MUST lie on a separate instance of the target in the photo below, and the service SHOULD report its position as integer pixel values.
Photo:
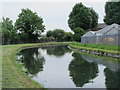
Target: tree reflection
(57, 50)
(32, 60)
(112, 79)
(82, 71)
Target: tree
(49, 34)
(112, 10)
(7, 23)
(76, 37)
(78, 32)
(6, 34)
(82, 17)
(59, 34)
(29, 22)
(94, 17)
(6, 28)
(68, 36)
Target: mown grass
(98, 47)
(12, 74)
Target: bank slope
(12, 74)
(98, 49)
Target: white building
(108, 35)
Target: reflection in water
(57, 50)
(32, 60)
(114, 66)
(82, 71)
(112, 78)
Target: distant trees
(49, 34)
(27, 28)
(68, 36)
(112, 10)
(60, 35)
(30, 25)
(83, 17)
(6, 30)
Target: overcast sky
(54, 14)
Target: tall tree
(83, 17)
(112, 10)
(6, 23)
(6, 28)
(94, 17)
(30, 23)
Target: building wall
(91, 39)
(109, 35)
(105, 39)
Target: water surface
(60, 67)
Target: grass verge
(97, 47)
(12, 74)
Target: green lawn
(100, 47)
(12, 74)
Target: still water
(60, 67)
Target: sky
(54, 12)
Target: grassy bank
(97, 47)
(12, 74)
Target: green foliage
(47, 39)
(6, 23)
(94, 17)
(112, 10)
(79, 30)
(68, 36)
(6, 34)
(76, 37)
(60, 35)
(83, 17)
(6, 30)
(78, 33)
(28, 22)
(49, 33)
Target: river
(60, 67)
